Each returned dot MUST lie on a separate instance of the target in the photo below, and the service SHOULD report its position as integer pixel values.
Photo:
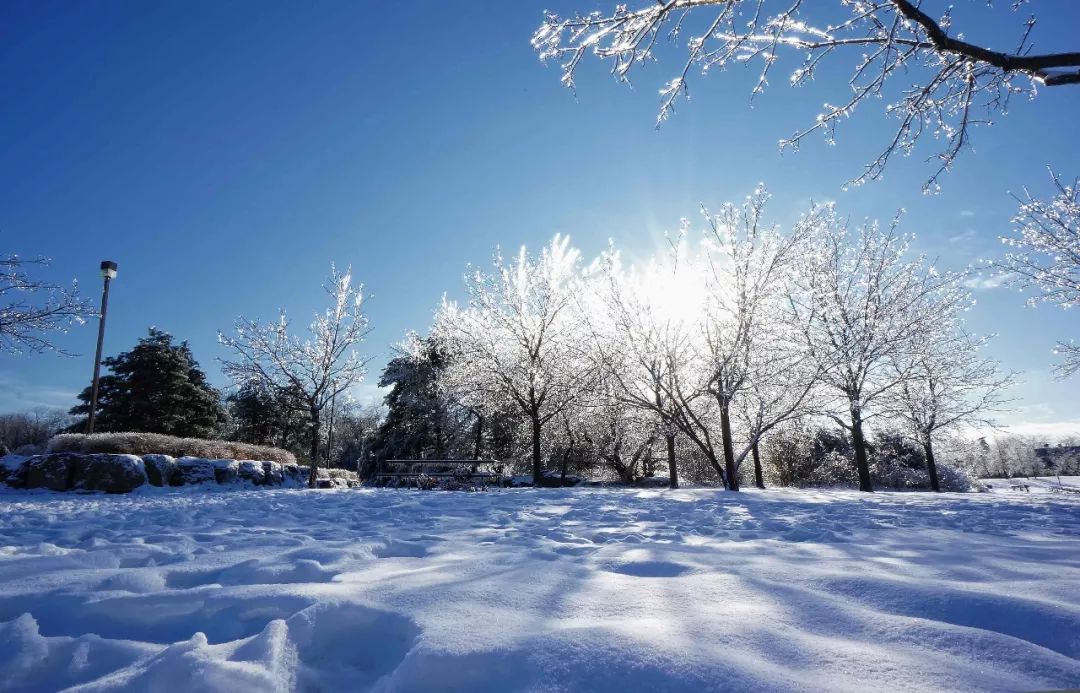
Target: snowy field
(583, 589)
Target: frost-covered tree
(780, 392)
(904, 53)
(1045, 257)
(320, 367)
(864, 306)
(618, 437)
(32, 310)
(422, 421)
(946, 382)
(746, 321)
(688, 335)
(639, 319)
(31, 429)
(355, 430)
(517, 339)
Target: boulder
(226, 471)
(554, 479)
(159, 469)
(13, 470)
(273, 475)
(252, 471)
(192, 470)
(53, 472)
(294, 473)
(108, 473)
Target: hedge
(156, 443)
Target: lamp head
(108, 269)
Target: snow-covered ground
(576, 589)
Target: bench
(1019, 486)
(465, 471)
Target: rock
(294, 473)
(251, 471)
(192, 470)
(554, 479)
(331, 482)
(159, 469)
(226, 471)
(273, 474)
(53, 472)
(108, 473)
(13, 470)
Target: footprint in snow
(650, 569)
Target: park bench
(411, 473)
(1019, 486)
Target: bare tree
(945, 382)
(517, 340)
(688, 336)
(32, 310)
(1046, 257)
(318, 368)
(31, 429)
(747, 266)
(931, 79)
(865, 307)
(780, 392)
(639, 320)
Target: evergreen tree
(263, 417)
(157, 387)
(419, 423)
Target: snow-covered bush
(824, 457)
(154, 443)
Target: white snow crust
(539, 589)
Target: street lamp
(108, 272)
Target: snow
(539, 589)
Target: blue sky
(225, 153)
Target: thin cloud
(987, 282)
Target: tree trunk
(931, 467)
(537, 476)
(440, 447)
(711, 457)
(729, 449)
(314, 472)
(478, 442)
(673, 472)
(759, 478)
(330, 433)
(861, 463)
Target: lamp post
(108, 272)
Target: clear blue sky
(225, 153)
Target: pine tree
(263, 417)
(416, 424)
(157, 387)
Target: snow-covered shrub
(825, 457)
(154, 443)
(955, 479)
(897, 462)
